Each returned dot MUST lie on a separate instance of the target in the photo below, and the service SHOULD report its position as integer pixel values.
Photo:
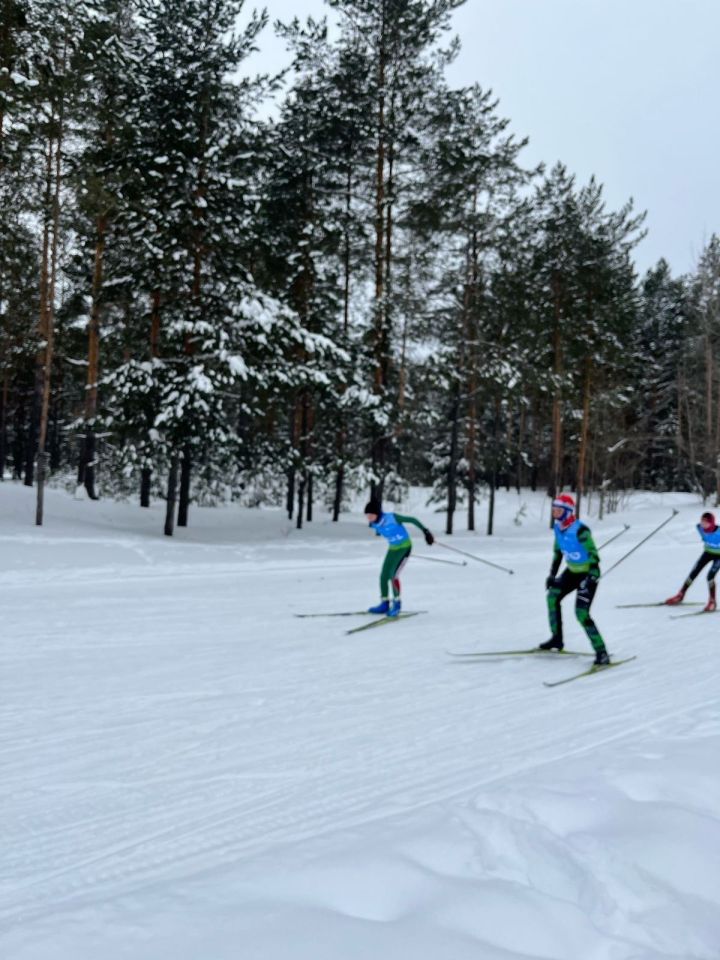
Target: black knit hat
(373, 506)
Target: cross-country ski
(591, 671)
(532, 651)
(659, 603)
(381, 621)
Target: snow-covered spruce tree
(311, 228)
(19, 264)
(55, 31)
(399, 40)
(585, 291)
(189, 216)
(472, 177)
(707, 309)
(654, 385)
(107, 64)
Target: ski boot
(710, 606)
(554, 643)
(381, 608)
(675, 599)
(602, 658)
(395, 608)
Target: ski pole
(603, 545)
(617, 563)
(473, 557)
(453, 563)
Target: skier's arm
(586, 539)
(555, 565)
(416, 523)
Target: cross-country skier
(390, 526)
(574, 542)
(710, 535)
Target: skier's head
(373, 509)
(563, 507)
(707, 520)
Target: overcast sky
(626, 89)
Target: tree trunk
(491, 504)
(3, 424)
(493, 471)
(301, 500)
(584, 432)
(309, 513)
(184, 502)
(290, 495)
(171, 497)
(710, 452)
(381, 344)
(86, 467)
(337, 499)
(155, 324)
(47, 331)
(520, 441)
(557, 457)
(145, 480)
(452, 461)
(41, 357)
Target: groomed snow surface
(191, 772)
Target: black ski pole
(637, 545)
(452, 563)
(603, 545)
(473, 557)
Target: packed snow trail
(172, 731)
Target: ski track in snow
(174, 721)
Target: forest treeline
(204, 299)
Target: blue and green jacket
(575, 544)
(390, 526)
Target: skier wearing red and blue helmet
(574, 543)
(710, 535)
(390, 526)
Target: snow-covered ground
(189, 771)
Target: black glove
(550, 582)
(429, 538)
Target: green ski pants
(395, 560)
(586, 587)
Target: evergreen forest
(221, 285)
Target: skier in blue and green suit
(710, 535)
(390, 526)
(574, 542)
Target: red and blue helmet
(566, 503)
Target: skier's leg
(712, 573)
(401, 560)
(585, 595)
(559, 588)
(385, 577)
(702, 561)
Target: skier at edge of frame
(574, 542)
(710, 535)
(390, 526)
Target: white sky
(624, 89)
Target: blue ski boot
(395, 608)
(381, 607)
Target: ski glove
(429, 538)
(550, 582)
